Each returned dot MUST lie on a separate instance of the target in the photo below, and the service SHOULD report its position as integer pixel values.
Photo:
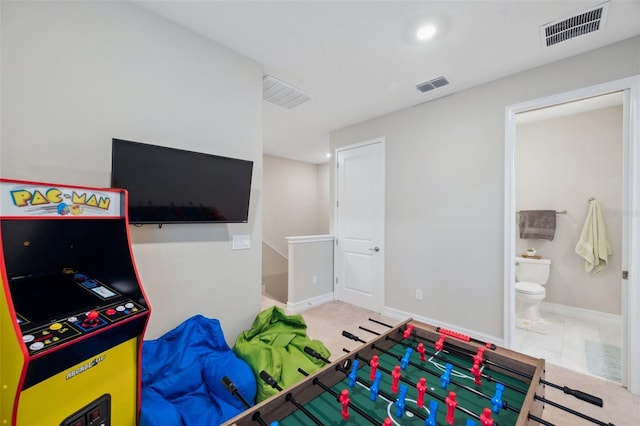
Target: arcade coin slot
(97, 413)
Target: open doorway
(630, 236)
(568, 157)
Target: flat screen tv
(168, 185)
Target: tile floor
(565, 344)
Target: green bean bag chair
(275, 343)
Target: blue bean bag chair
(182, 375)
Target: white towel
(594, 245)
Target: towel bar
(557, 212)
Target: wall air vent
(585, 22)
(432, 84)
(281, 93)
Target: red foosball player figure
(395, 374)
(440, 343)
(387, 422)
(451, 407)
(422, 388)
(475, 370)
(479, 357)
(345, 400)
(374, 366)
(421, 351)
(407, 332)
(485, 417)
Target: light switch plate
(241, 242)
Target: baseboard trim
(580, 313)
(402, 315)
(309, 303)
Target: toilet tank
(532, 270)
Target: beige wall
(324, 198)
(275, 279)
(76, 74)
(560, 163)
(310, 272)
(295, 202)
(445, 188)
(295, 199)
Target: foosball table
(415, 374)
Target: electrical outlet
(418, 294)
(314, 280)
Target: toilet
(531, 277)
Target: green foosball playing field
(412, 375)
(401, 400)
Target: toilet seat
(529, 288)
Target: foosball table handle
(584, 396)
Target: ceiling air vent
(583, 23)
(432, 84)
(281, 93)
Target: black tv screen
(168, 185)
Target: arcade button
(120, 308)
(55, 326)
(72, 319)
(28, 338)
(110, 312)
(36, 346)
(129, 305)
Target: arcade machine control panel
(47, 323)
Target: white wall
(76, 74)
(560, 163)
(445, 188)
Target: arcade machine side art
(72, 309)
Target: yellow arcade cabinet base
(112, 373)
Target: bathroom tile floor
(565, 345)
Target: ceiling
(358, 60)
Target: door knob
(376, 249)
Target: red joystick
(91, 320)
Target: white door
(359, 251)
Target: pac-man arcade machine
(72, 310)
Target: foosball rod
(310, 351)
(257, 418)
(428, 392)
(420, 367)
(455, 364)
(355, 408)
(539, 420)
(233, 390)
(572, 411)
(573, 392)
(266, 377)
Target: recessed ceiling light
(328, 155)
(426, 32)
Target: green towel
(275, 343)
